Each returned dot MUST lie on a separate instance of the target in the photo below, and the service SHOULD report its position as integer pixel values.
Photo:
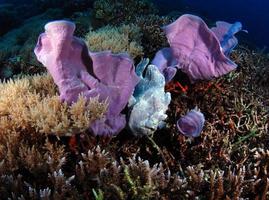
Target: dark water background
(254, 15)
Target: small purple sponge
(191, 124)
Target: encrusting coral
(126, 38)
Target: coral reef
(47, 150)
(228, 161)
(260, 60)
(125, 38)
(83, 23)
(153, 38)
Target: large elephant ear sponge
(77, 72)
(194, 49)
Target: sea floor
(228, 161)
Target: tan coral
(126, 38)
(32, 102)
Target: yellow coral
(31, 103)
(126, 38)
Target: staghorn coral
(125, 38)
(255, 62)
(27, 163)
(27, 106)
(260, 60)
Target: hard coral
(228, 161)
(28, 106)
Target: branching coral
(126, 38)
(26, 105)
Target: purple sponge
(194, 49)
(77, 72)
